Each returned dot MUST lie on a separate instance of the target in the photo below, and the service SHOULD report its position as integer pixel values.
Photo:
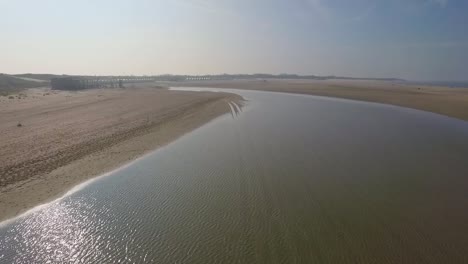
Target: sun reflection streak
(52, 235)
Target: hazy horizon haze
(415, 39)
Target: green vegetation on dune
(10, 84)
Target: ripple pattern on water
(290, 179)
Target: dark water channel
(291, 179)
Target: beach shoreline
(67, 138)
(448, 101)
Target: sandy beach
(54, 140)
(447, 101)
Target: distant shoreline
(452, 102)
(439, 84)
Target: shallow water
(291, 179)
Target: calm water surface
(291, 179)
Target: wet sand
(66, 138)
(447, 101)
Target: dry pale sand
(66, 138)
(447, 101)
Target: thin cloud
(441, 3)
(320, 8)
(365, 13)
(204, 5)
(438, 44)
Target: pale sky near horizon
(411, 39)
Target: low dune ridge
(53, 140)
(11, 84)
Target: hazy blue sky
(413, 39)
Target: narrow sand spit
(447, 101)
(52, 141)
